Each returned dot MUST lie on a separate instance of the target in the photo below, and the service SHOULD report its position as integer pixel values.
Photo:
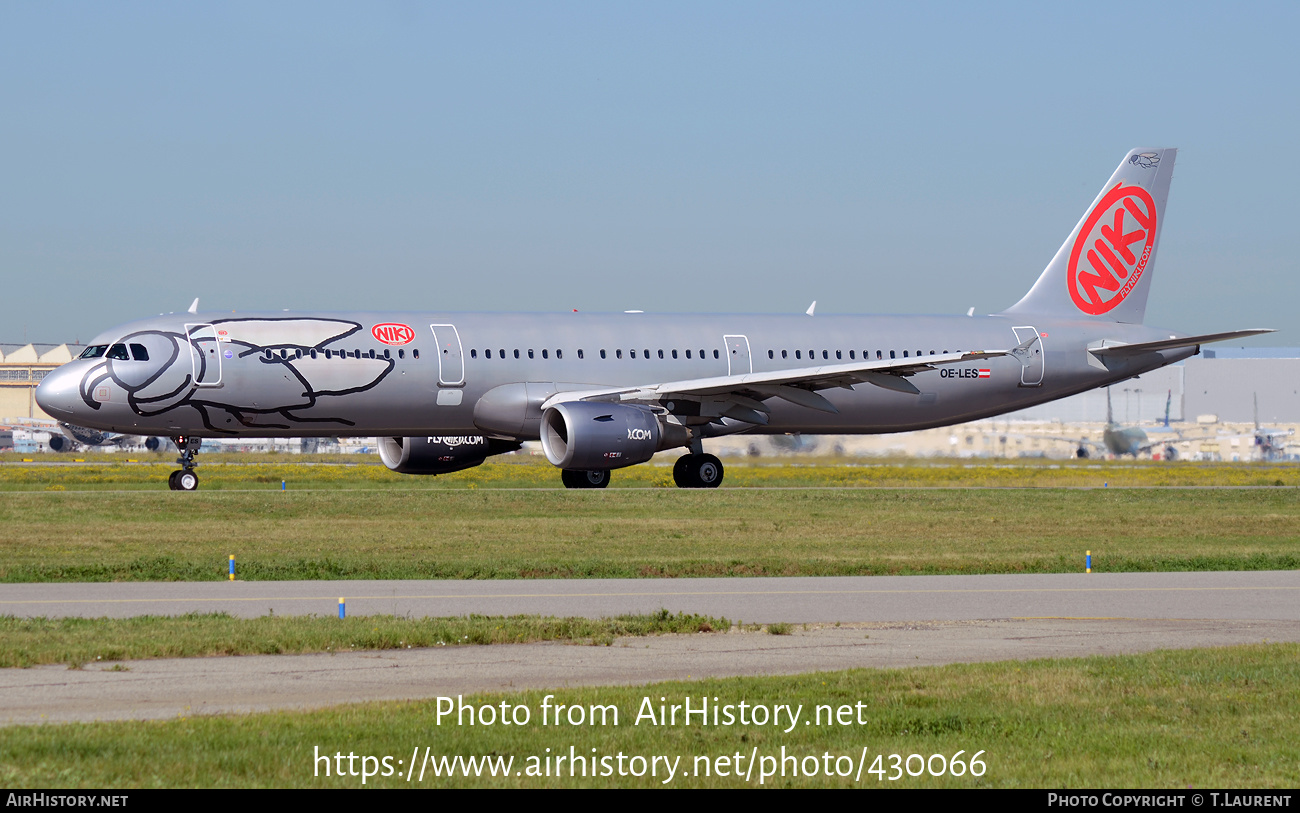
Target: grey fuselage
(411, 374)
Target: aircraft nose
(59, 392)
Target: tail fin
(1103, 270)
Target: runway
(882, 622)
(1237, 595)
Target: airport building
(22, 366)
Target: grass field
(419, 533)
(148, 472)
(76, 641)
(1217, 718)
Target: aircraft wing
(1113, 348)
(741, 396)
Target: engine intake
(440, 455)
(590, 435)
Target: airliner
(445, 391)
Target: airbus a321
(445, 391)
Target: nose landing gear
(184, 479)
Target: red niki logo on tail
(1117, 240)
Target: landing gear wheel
(708, 472)
(185, 479)
(697, 471)
(682, 471)
(573, 478)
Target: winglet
(811, 308)
(194, 306)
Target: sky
(698, 157)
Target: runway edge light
(342, 608)
(232, 567)
(1087, 567)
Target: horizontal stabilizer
(1119, 349)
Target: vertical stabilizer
(1103, 270)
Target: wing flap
(797, 386)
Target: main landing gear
(697, 471)
(574, 478)
(184, 479)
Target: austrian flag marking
(393, 333)
(986, 373)
(1112, 249)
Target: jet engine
(591, 435)
(440, 455)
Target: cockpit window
(93, 352)
(118, 352)
(139, 352)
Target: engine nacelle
(439, 455)
(591, 435)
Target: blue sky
(879, 158)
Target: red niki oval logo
(1116, 240)
(393, 333)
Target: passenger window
(580, 353)
(891, 354)
(487, 354)
(602, 354)
(618, 354)
(415, 354)
(473, 354)
(674, 354)
(401, 354)
(879, 355)
(798, 354)
(851, 352)
(313, 353)
(688, 354)
(783, 354)
(715, 354)
(516, 353)
(904, 354)
(545, 354)
(771, 355)
(139, 353)
(838, 355)
(661, 354)
(631, 354)
(501, 352)
(559, 354)
(530, 352)
(646, 354)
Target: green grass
(217, 472)
(75, 641)
(511, 533)
(1216, 718)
